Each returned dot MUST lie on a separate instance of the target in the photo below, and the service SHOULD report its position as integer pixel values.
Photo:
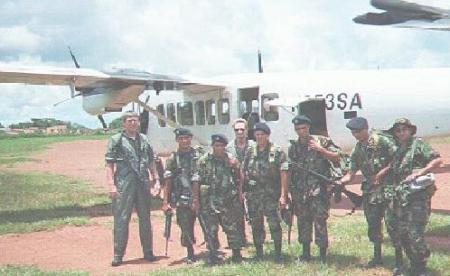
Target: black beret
(219, 138)
(357, 123)
(263, 127)
(182, 131)
(301, 119)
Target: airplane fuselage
(381, 96)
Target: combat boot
(190, 255)
(306, 255)
(149, 256)
(259, 251)
(117, 260)
(419, 268)
(213, 258)
(278, 258)
(377, 260)
(323, 255)
(236, 257)
(398, 269)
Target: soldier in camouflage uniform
(372, 155)
(129, 159)
(265, 173)
(310, 194)
(239, 148)
(179, 188)
(220, 198)
(414, 158)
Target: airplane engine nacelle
(96, 101)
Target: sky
(195, 38)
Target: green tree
(116, 123)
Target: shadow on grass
(35, 215)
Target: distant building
(58, 129)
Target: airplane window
(161, 111)
(270, 114)
(200, 113)
(171, 112)
(224, 111)
(211, 112)
(255, 106)
(185, 113)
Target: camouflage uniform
(309, 194)
(219, 201)
(413, 213)
(263, 188)
(370, 159)
(180, 167)
(132, 158)
(237, 152)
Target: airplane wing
(102, 91)
(398, 11)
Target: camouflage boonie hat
(403, 121)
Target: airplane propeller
(77, 65)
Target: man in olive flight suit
(129, 162)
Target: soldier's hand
(156, 189)
(315, 145)
(233, 162)
(195, 205)
(282, 202)
(411, 177)
(113, 193)
(166, 207)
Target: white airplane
(420, 14)
(329, 98)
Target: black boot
(278, 258)
(377, 260)
(306, 255)
(117, 260)
(236, 257)
(398, 269)
(323, 255)
(149, 256)
(259, 251)
(420, 268)
(190, 254)
(213, 258)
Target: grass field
(33, 271)
(42, 201)
(350, 249)
(18, 149)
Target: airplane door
(249, 107)
(315, 109)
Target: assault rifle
(167, 228)
(337, 187)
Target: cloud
(199, 38)
(19, 38)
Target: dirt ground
(90, 247)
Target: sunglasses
(239, 129)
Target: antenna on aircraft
(260, 68)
